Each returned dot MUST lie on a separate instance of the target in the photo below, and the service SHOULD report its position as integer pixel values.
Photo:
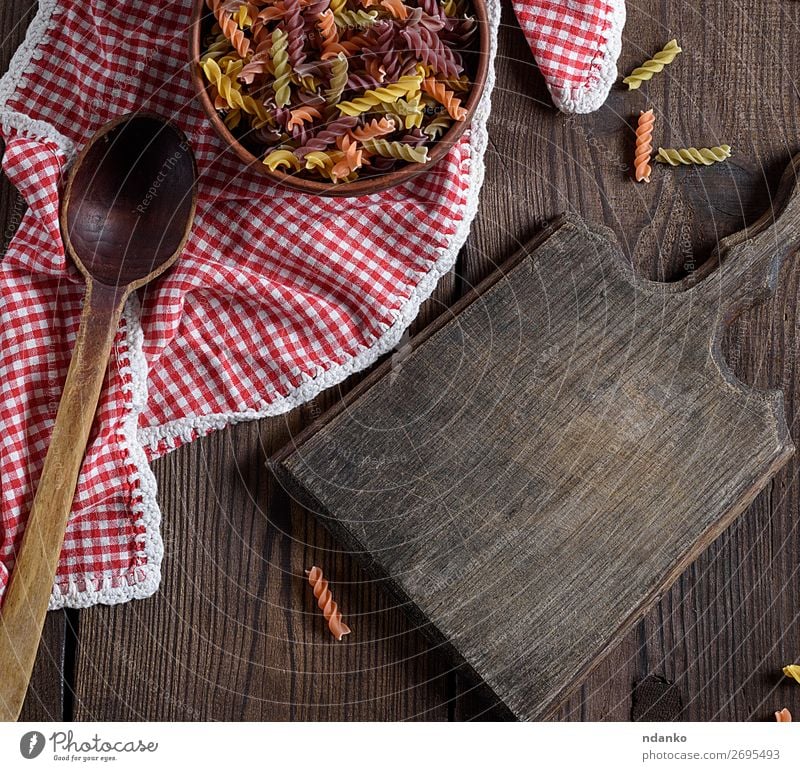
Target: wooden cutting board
(553, 454)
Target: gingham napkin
(576, 44)
(276, 296)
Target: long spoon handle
(25, 604)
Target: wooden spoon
(125, 216)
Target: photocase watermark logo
(31, 744)
(66, 747)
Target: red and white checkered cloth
(576, 44)
(276, 296)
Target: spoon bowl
(127, 201)
(125, 217)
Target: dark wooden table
(232, 635)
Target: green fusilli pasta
(396, 150)
(704, 156)
(283, 72)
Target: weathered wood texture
(525, 482)
(728, 625)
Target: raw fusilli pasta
(705, 156)
(376, 128)
(652, 66)
(338, 79)
(406, 86)
(396, 150)
(334, 89)
(280, 62)
(446, 98)
(644, 146)
(282, 159)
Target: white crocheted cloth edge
(592, 94)
(133, 440)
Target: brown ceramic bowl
(477, 66)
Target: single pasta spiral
(397, 8)
(437, 126)
(355, 19)
(377, 128)
(301, 115)
(279, 55)
(446, 98)
(687, 156)
(406, 86)
(664, 57)
(338, 79)
(326, 604)
(350, 161)
(409, 112)
(450, 7)
(219, 48)
(644, 146)
(282, 159)
(396, 150)
(243, 18)
(328, 33)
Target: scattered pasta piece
(652, 66)
(793, 671)
(324, 598)
(644, 146)
(691, 155)
(783, 716)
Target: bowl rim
(342, 189)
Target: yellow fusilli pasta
(652, 66)
(406, 86)
(282, 159)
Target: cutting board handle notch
(750, 260)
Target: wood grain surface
(233, 633)
(524, 483)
